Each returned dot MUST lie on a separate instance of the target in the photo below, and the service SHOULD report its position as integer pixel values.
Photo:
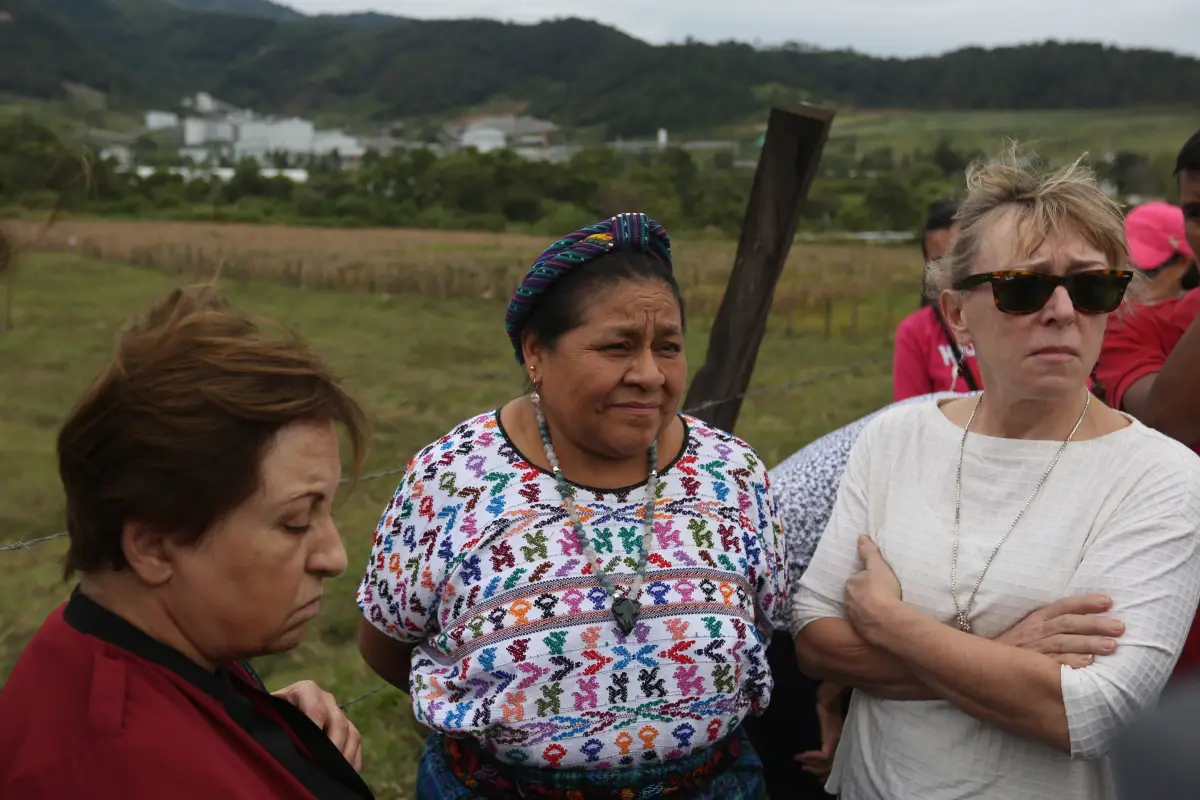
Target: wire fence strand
(808, 381)
(364, 696)
(25, 545)
(820, 377)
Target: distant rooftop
(509, 125)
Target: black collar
(87, 616)
(328, 775)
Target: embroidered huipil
(476, 560)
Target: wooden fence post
(790, 155)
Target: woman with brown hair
(200, 470)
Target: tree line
(574, 72)
(875, 190)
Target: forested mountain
(572, 71)
(242, 8)
(38, 52)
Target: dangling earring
(954, 377)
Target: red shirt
(1136, 344)
(923, 359)
(111, 714)
(1138, 341)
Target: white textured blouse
(1119, 515)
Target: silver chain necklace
(625, 605)
(962, 615)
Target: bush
(40, 200)
(563, 218)
(356, 209)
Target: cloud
(882, 27)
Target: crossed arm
(1020, 682)
(893, 651)
(1071, 632)
(1025, 681)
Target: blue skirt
(742, 780)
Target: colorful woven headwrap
(634, 232)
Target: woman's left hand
(321, 707)
(829, 717)
(871, 593)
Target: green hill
(242, 8)
(572, 71)
(40, 52)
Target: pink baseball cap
(1155, 233)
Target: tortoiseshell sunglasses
(1022, 291)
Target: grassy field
(1061, 134)
(419, 363)
(443, 265)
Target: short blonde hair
(1067, 200)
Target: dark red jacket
(95, 708)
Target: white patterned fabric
(1119, 515)
(805, 486)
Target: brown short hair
(173, 431)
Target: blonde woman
(958, 520)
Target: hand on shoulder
(321, 707)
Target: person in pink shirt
(926, 358)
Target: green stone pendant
(625, 612)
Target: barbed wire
(810, 380)
(25, 545)
(800, 382)
(364, 696)
(374, 475)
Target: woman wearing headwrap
(582, 582)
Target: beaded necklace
(625, 605)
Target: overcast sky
(885, 27)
